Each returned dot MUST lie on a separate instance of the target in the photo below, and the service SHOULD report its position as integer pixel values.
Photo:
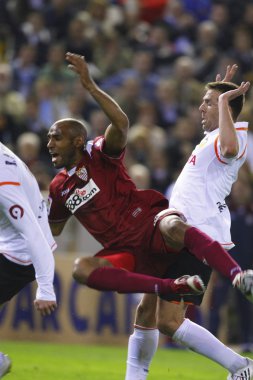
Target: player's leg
(13, 278)
(100, 274)
(171, 322)
(179, 234)
(143, 342)
(219, 296)
(145, 316)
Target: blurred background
(154, 57)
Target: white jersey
(25, 236)
(205, 182)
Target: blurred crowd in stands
(154, 57)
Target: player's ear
(79, 142)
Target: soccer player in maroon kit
(141, 237)
(95, 187)
(133, 226)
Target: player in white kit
(199, 193)
(26, 242)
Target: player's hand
(232, 94)
(45, 307)
(230, 73)
(78, 64)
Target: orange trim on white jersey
(243, 152)
(10, 183)
(216, 147)
(242, 129)
(216, 150)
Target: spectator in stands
(167, 104)
(142, 69)
(28, 149)
(35, 32)
(25, 69)
(12, 102)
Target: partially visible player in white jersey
(208, 178)
(26, 242)
(199, 193)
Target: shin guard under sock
(122, 281)
(209, 250)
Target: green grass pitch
(40, 361)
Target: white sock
(203, 342)
(142, 346)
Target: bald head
(73, 127)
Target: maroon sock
(122, 281)
(209, 250)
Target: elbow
(230, 151)
(124, 122)
(122, 125)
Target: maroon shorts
(156, 258)
(148, 255)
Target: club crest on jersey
(82, 196)
(82, 173)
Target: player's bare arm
(116, 133)
(228, 137)
(45, 307)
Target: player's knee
(171, 225)
(82, 269)
(85, 265)
(173, 229)
(168, 326)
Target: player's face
(209, 110)
(62, 147)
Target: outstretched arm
(116, 132)
(228, 138)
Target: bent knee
(168, 327)
(173, 230)
(171, 225)
(80, 270)
(170, 316)
(83, 267)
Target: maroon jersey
(101, 195)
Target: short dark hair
(236, 104)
